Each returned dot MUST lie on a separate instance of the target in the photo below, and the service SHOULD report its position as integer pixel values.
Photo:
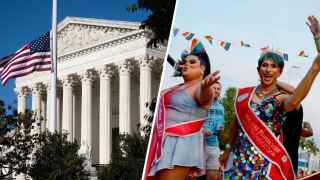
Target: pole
(290, 75)
(53, 95)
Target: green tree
(159, 21)
(312, 147)
(128, 159)
(57, 158)
(227, 102)
(302, 144)
(17, 141)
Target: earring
(201, 72)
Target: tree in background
(312, 146)
(127, 161)
(159, 21)
(302, 144)
(57, 158)
(17, 142)
(227, 102)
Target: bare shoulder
(164, 90)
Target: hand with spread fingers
(210, 79)
(314, 25)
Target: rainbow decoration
(265, 48)
(225, 45)
(245, 45)
(209, 39)
(303, 54)
(197, 47)
(284, 56)
(185, 53)
(175, 31)
(188, 35)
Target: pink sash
(159, 133)
(262, 138)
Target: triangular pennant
(188, 35)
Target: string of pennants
(226, 45)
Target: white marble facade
(106, 74)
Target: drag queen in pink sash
(177, 146)
(259, 153)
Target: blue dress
(185, 151)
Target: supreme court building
(106, 74)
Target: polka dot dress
(248, 162)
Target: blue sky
(281, 24)
(24, 21)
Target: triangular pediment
(75, 32)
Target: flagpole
(53, 95)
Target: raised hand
(314, 25)
(210, 79)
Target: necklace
(264, 96)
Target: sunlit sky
(281, 24)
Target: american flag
(35, 56)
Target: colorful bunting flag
(209, 39)
(245, 45)
(175, 31)
(265, 48)
(188, 35)
(197, 47)
(225, 45)
(284, 56)
(303, 54)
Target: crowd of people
(265, 132)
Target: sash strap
(262, 138)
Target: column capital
(22, 92)
(37, 89)
(124, 66)
(145, 61)
(47, 84)
(68, 81)
(105, 72)
(87, 76)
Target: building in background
(106, 74)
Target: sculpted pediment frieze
(77, 35)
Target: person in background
(293, 127)
(211, 128)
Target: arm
(290, 102)
(232, 137)
(306, 132)
(205, 93)
(288, 89)
(285, 87)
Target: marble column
(43, 113)
(87, 78)
(58, 120)
(36, 105)
(22, 94)
(105, 121)
(48, 86)
(145, 64)
(67, 116)
(74, 100)
(124, 96)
